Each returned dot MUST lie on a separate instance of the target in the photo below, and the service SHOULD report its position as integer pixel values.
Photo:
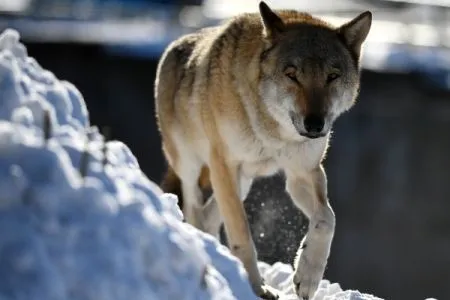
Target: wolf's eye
(291, 73)
(332, 76)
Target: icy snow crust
(110, 234)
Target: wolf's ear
(356, 31)
(273, 25)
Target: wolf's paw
(268, 293)
(308, 273)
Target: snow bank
(279, 275)
(79, 220)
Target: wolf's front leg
(309, 193)
(225, 179)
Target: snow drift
(78, 218)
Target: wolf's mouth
(313, 135)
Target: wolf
(250, 97)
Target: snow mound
(279, 275)
(108, 234)
(78, 218)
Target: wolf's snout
(314, 124)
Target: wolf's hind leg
(213, 219)
(189, 172)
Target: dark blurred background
(389, 161)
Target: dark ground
(388, 169)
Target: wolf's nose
(313, 123)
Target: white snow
(111, 234)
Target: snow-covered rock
(78, 218)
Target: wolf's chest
(257, 160)
(265, 161)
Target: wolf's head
(309, 70)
